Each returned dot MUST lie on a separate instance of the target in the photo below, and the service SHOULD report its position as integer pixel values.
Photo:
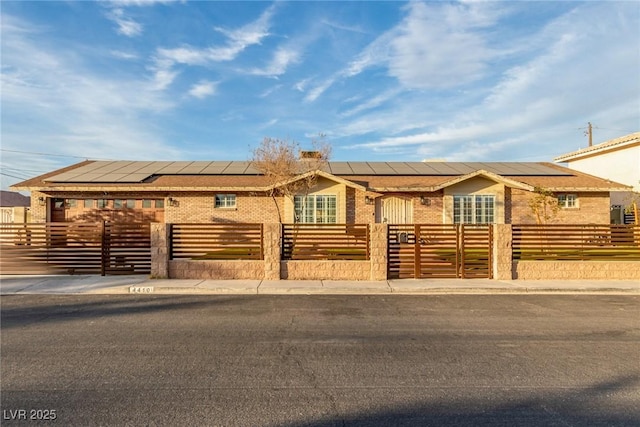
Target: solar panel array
(138, 171)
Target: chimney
(310, 155)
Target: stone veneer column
(502, 252)
(159, 250)
(378, 242)
(272, 237)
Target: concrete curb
(138, 285)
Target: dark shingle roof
(11, 199)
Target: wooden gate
(440, 251)
(75, 248)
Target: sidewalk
(141, 284)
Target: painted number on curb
(141, 289)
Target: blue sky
(384, 81)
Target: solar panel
(215, 168)
(340, 168)
(361, 168)
(137, 171)
(194, 168)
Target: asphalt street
(442, 360)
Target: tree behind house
(289, 171)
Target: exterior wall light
(172, 202)
(42, 201)
(425, 201)
(368, 200)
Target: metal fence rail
(440, 251)
(75, 248)
(216, 241)
(576, 242)
(325, 242)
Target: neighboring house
(618, 160)
(345, 192)
(14, 207)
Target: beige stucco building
(616, 160)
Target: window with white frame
(316, 209)
(567, 200)
(225, 200)
(474, 209)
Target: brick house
(345, 192)
(618, 160)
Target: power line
(12, 176)
(47, 154)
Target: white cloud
(319, 89)
(203, 89)
(237, 41)
(438, 46)
(373, 102)
(126, 25)
(72, 110)
(123, 55)
(567, 73)
(282, 58)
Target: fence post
(105, 256)
(502, 252)
(160, 244)
(272, 241)
(378, 251)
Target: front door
(58, 210)
(394, 210)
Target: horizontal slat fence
(325, 242)
(608, 242)
(439, 251)
(216, 241)
(126, 248)
(75, 248)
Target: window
(225, 200)
(478, 209)
(88, 203)
(103, 203)
(124, 203)
(316, 209)
(72, 203)
(153, 203)
(567, 200)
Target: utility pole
(590, 133)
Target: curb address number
(140, 289)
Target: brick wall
(593, 208)
(200, 208)
(430, 213)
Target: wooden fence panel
(50, 248)
(440, 251)
(576, 242)
(325, 242)
(75, 248)
(216, 241)
(127, 248)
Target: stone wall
(272, 267)
(325, 270)
(214, 269)
(574, 270)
